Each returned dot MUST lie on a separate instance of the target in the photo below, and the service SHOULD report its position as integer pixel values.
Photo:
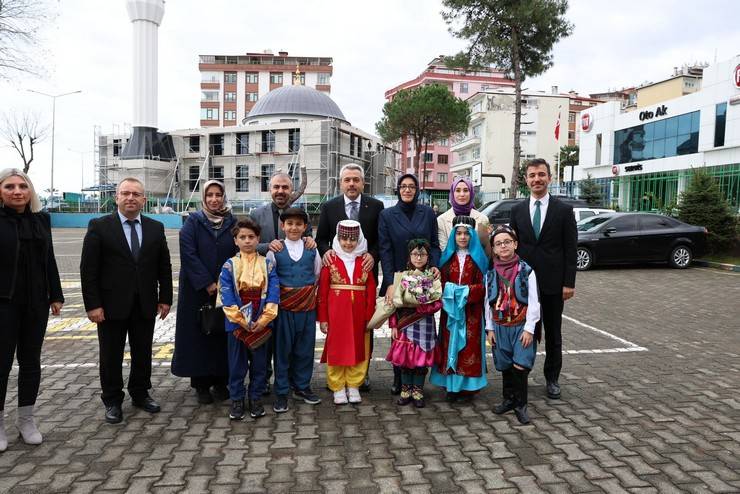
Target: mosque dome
(292, 101)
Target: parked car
(499, 212)
(583, 213)
(621, 238)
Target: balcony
(467, 142)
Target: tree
(703, 204)
(591, 191)
(568, 157)
(19, 24)
(22, 132)
(515, 35)
(424, 113)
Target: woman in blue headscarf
(460, 365)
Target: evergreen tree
(702, 204)
(591, 191)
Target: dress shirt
(127, 229)
(533, 307)
(348, 207)
(544, 202)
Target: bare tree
(22, 132)
(20, 21)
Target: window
(655, 222)
(229, 114)
(463, 87)
(662, 139)
(230, 77)
(720, 119)
(215, 172)
(209, 95)
(294, 140)
(276, 77)
(323, 79)
(572, 117)
(441, 177)
(194, 144)
(571, 135)
(624, 223)
(242, 143)
(216, 144)
(408, 162)
(294, 171)
(444, 142)
(193, 174)
(476, 153)
(116, 147)
(427, 176)
(597, 161)
(351, 145)
(278, 61)
(209, 113)
(268, 141)
(301, 79)
(428, 157)
(462, 156)
(229, 96)
(442, 159)
(476, 130)
(252, 77)
(252, 97)
(209, 77)
(267, 171)
(242, 178)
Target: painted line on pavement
(604, 333)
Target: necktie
(134, 238)
(536, 219)
(353, 210)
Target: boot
(405, 397)
(417, 394)
(396, 388)
(520, 395)
(3, 437)
(507, 393)
(27, 426)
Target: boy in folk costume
(512, 313)
(346, 304)
(249, 292)
(294, 338)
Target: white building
(644, 158)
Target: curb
(717, 265)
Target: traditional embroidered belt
(298, 299)
(354, 288)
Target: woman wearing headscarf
(29, 287)
(461, 198)
(397, 225)
(206, 243)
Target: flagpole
(557, 142)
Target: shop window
(720, 119)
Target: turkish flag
(557, 128)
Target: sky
(86, 45)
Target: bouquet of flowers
(416, 288)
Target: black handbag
(211, 319)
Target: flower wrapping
(414, 288)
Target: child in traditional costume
(512, 313)
(249, 292)
(346, 304)
(294, 337)
(418, 296)
(460, 365)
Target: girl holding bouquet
(417, 294)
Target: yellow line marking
(73, 337)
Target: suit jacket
(395, 231)
(553, 255)
(112, 278)
(332, 212)
(263, 217)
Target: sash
(298, 299)
(253, 339)
(454, 299)
(354, 288)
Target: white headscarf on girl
(360, 249)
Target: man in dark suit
(547, 241)
(126, 282)
(351, 205)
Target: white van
(582, 213)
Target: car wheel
(584, 259)
(681, 257)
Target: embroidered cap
(463, 220)
(503, 229)
(349, 229)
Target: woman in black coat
(397, 225)
(29, 286)
(205, 245)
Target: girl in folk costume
(413, 328)
(346, 304)
(512, 313)
(460, 366)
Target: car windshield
(589, 224)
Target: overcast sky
(375, 45)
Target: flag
(557, 127)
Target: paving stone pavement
(650, 403)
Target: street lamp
(53, 119)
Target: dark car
(499, 212)
(623, 238)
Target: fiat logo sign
(737, 76)
(586, 122)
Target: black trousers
(112, 341)
(22, 328)
(552, 320)
(207, 381)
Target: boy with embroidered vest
(512, 313)
(249, 292)
(298, 270)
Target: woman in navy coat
(205, 245)
(405, 221)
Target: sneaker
(354, 395)
(340, 397)
(204, 396)
(307, 396)
(256, 409)
(281, 404)
(237, 410)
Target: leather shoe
(147, 404)
(553, 390)
(522, 414)
(113, 414)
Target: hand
(436, 273)
(328, 257)
(526, 339)
(163, 310)
(309, 243)
(56, 308)
(275, 246)
(491, 336)
(211, 289)
(96, 315)
(324, 327)
(367, 262)
(257, 326)
(568, 292)
(389, 295)
(394, 333)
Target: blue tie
(537, 219)
(134, 238)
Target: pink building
(435, 166)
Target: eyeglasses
(135, 195)
(419, 255)
(407, 187)
(505, 243)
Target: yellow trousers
(339, 377)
